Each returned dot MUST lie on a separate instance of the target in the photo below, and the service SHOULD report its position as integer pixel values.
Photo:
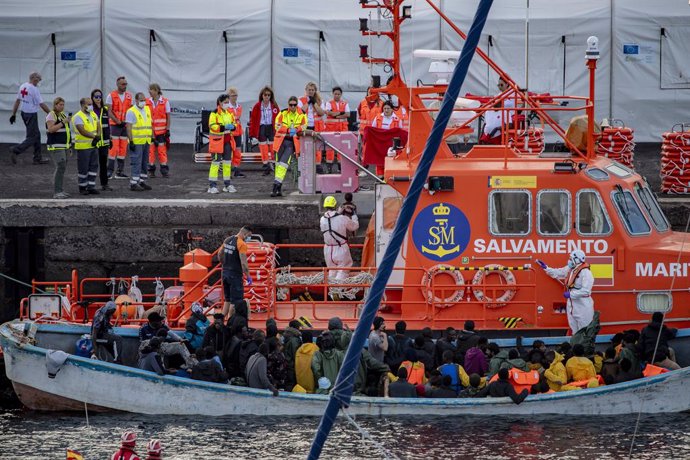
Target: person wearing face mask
(30, 100)
(86, 140)
(261, 120)
(236, 109)
(290, 123)
(59, 138)
(221, 144)
(119, 101)
(160, 110)
(140, 134)
(578, 282)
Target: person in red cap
(126, 451)
(154, 450)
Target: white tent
(195, 50)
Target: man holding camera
(85, 143)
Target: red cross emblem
(24, 92)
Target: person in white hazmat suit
(335, 226)
(578, 281)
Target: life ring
(507, 277)
(452, 299)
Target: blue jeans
(139, 160)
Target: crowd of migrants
(458, 364)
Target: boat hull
(104, 386)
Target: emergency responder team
(109, 127)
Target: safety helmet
(330, 202)
(154, 447)
(129, 439)
(577, 256)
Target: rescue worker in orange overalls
(337, 112)
(236, 109)
(221, 144)
(290, 123)
(119, 102)
(367, 110)
(160, 111)
(311, 105)
(261, 126)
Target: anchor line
(658, 338)
(23, 283)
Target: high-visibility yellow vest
(217, 119)
(82, 142)
(141, 130)
(60, 139)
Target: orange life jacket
(119, 108)
(520, 380)
(319, 125)
(651, 370)
(160, 119)
(402, 113)
(216, 137)
(367, 114)
(572, 276)
(415, 373)
(336, 124)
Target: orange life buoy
(506, 275)
(452, 299)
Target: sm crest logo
(441, 232)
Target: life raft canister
(428, 292)
(507, 277)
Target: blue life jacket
(452, 371)
(196, 340)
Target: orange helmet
(154, 447)
(129, 439)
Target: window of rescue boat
(510, 212)
(629, 212)
(592, 218)
(553, 212)
(619, 170)
(651, 207)
(597, 174)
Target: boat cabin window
(591, 215)
(629, 212)
(509, 212)
(649, 203)
(597, 174)
(553, 207)
(619, 170)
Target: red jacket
(125, 454)
(255, 118)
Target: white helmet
(578, 257)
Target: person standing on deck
(86, 139)
(119, 102)
(101, 112)
(160, 111)
(221, 144)
(59, 140)
(138, 121)
(261, 129)
(335, 227)
(233, 255)
(290, 124)
(578, 282)
(236, 109)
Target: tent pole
(103, 44)
(271, 41)
(611, 48)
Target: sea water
(28, 435)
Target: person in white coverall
(578, 281)
(335, 226)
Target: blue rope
(346, 376)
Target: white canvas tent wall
(194, 60)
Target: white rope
(366, 436)
(286, 278)
(656, 345)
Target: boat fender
(508, 278)
(452, 299)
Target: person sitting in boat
(475, 358)
(654, 331)
(103, 335)
(216, 335)
(447, 342)
(126, 450)
(303, 358)
(502, 388)
(661, 359)
(416, 373)
(580, 369)
(196, 326)
(328, 360)
(292, 340)
(473, 389)
(340, 335)
(467, 338)
(506, 359)
(154, 450)
(249, 346)
(369, 372)
(150, 359)
(456, 373)
(256, 372)
(626, 372)
(398, 345)
(610, 366)
(422, 353)
(556, 375)
(630, 351)
(401, 388)
(578, 289)
(208, 369)
(378, 340)
(277, 364)
(172, 343)
(239, 318)
(335, 227)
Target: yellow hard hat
(330, 202)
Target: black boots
(267, 169)
(277, 190)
